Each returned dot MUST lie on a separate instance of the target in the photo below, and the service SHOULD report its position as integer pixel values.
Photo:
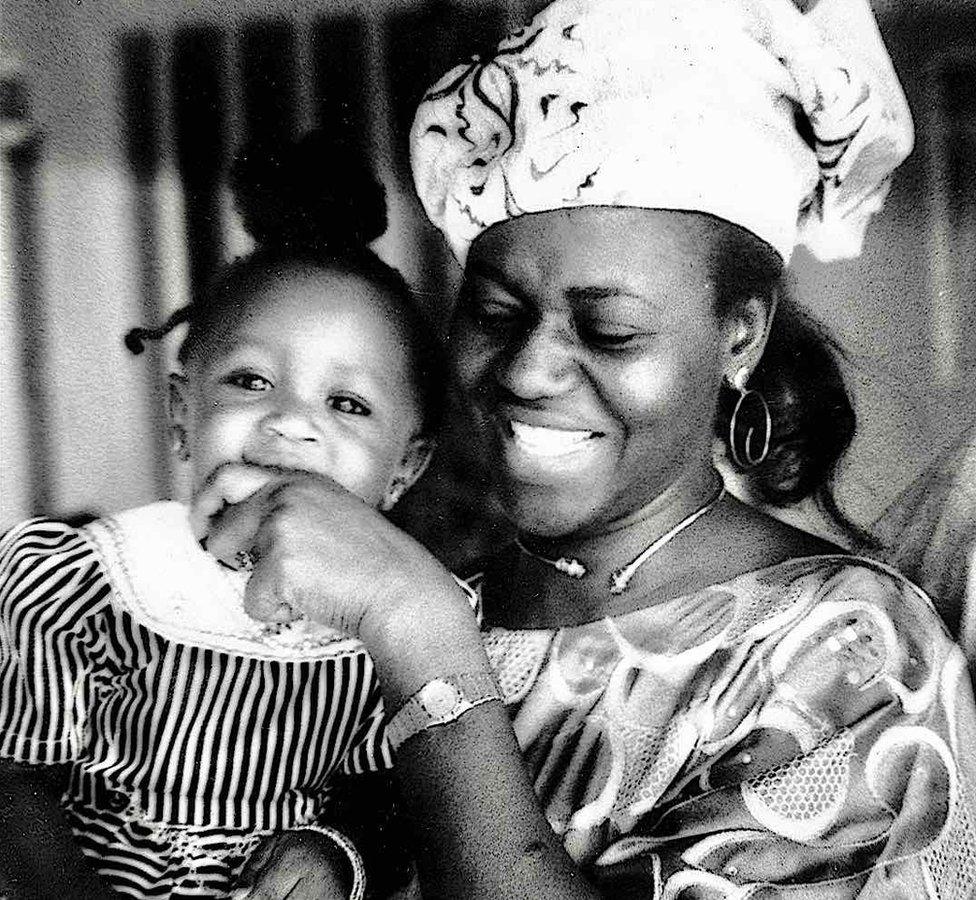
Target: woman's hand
(299, 865)
(320, 552)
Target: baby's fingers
(227, 485)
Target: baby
(192, 735)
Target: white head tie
(783, 117)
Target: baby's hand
(299, 865)
(226, 486)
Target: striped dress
(191, 732)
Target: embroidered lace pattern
(516, 658)
(951, 860)
(801, 799)
(755, 608)
(651, 758)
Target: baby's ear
(178, 413)
(177, 405)
(415, 460)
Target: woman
(699, 701)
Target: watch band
(440, 701)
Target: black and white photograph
(488, 449)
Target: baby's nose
(292, 425)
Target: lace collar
(163, 579)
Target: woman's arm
(39, 858)
(481, 833)
(479, 830)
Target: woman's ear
(746, 333)
(177, 414)
(415, 460)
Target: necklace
(620, 578)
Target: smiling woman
(663, 692)
(697, 701)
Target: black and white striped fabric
(181, 757)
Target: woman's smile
(546, 449)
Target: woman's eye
(610, 338)
(248, 381)
(349, 405)
(494, 315)
(490, 312)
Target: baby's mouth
(277, 464)
(549, 443)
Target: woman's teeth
(548, 442)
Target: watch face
(439, 698)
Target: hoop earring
(747, 458)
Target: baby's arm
(49, 588)
(39, 858)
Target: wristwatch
(439, 702)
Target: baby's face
(311, 372)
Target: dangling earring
(744, 454)
(180, 448)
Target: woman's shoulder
(861, 613)
(838, 576)
(747, 537)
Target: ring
(246, 560)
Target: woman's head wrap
(782, 116)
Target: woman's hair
(813, 421)
(313, 204)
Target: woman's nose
(541, 365)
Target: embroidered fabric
(951, 860)
(760, 608)
(829, 705)
(516, 658)
(802, 798)
(652, 757)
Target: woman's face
(588, 340)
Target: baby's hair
(311, 204)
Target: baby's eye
(248, 381)
(350, 405)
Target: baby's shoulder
(45, 542)
(50, 570)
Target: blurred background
(118, 121)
